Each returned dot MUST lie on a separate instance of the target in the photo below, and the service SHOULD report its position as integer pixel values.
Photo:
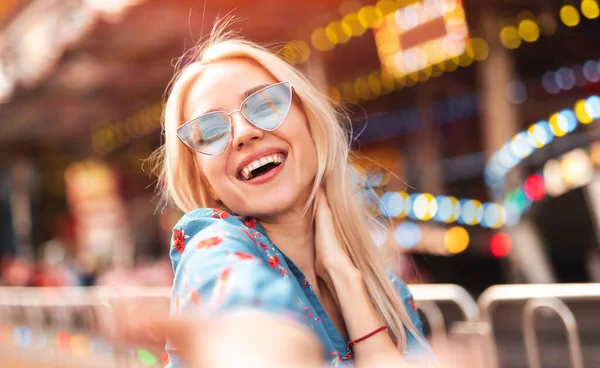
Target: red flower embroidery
(305, 283)
(195, 298)
(336, 357)
(251, 223)
(257, 234)
(263, 245)
(244, 256)
(225, 274)
(178, 240)
(412, 304)
(213, 241)
(274, 261)
(319, 319)
(221, 286)
(220, 214)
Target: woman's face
(286, 187)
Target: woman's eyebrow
(245, 95)
(253, 90)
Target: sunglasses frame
(228, 114)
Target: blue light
(391, 204)
(445, 209)
(407, 234)
(409, 208)
(22, 336)
(593, 104)
(491, 215)
(549, 83)
(571, 119)
(591, 71)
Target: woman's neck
(294, 235)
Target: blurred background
(475, 120)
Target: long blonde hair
(181, 181)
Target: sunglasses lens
(208, 134)
(268, 108)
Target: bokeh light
(547, 24)
(392, 204)
(370, 17)
(425, 207)
(590, 9)
(80, 344)
(351, 22)
(22, 336)
(500, 245)
(494, 215)
(529, 30)
(146, 357)
(407, 234)
(320, 40)
(569, 16)
(456, 240)
(338, 32)
(509, 36)
(581, 111)
(471, 212)
(534, 187)
(593, 107)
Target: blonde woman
(274, 244)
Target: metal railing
(536, 296)
(478, 316)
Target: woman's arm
(361, 318)
(342, 277)
(222, 275)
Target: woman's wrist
(342, 268)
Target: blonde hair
(182, 183)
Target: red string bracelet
(353, 342)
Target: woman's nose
(243, 131)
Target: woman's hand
(329, 252)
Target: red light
(534, 187)
(63, 340)
(500, 245)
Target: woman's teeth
(275, 158)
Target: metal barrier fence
(89, 304)
(536, 296)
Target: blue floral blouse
(222, 262)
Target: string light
(451, 43)
(566, 78)
(527, 28)
(446, 209)
(537, 136)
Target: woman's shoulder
(200, 219)
(202, 226)
(204, 217)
